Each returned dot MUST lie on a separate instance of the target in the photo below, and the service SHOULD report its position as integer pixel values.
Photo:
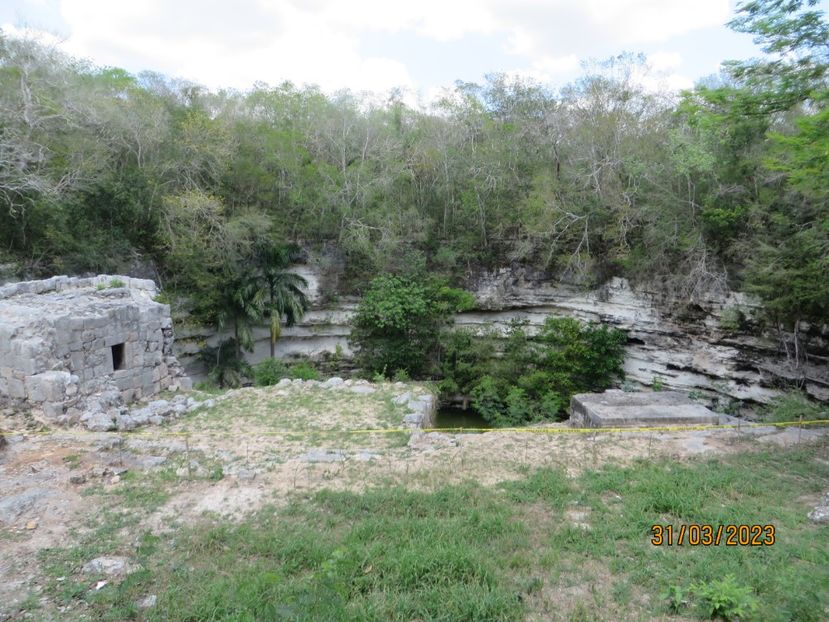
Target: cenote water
(451, 417)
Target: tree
(769, 203)
(242, 305)
(284, 295)
(399, 322)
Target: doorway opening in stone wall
(118, 356)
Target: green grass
(469, 552)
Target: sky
(374, 45)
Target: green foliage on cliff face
(535, 377)
(105, 171)
(399, 324)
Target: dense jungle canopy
(722, 186)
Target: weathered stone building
(71, 347)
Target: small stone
(109, 566)
(323, 455)
(402, 398)
(820, 514)
(115, 479)
(77, 479)
(246, 474)
(32, 524)
(147, 602)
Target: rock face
(617, 409)
(73, 347)
(680, 345)
(684, 346)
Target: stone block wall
(61, 339)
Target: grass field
(543, 547)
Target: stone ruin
(79, 349)
(619, 409)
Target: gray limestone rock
(14, 506)
(415, 419)
(147, 602)
(323, 455)
(99, 421)
(125, 422)
(108, 566)
(402, 398)
(820, 514)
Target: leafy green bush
(304, 371)
(464, 360)
(399, 323)
(269, 372)
(534, 378)
(726, 599)
(487, 400)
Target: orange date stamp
(713, 535)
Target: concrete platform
(618, 409)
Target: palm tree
(283, 291)
(243, 305)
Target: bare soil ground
(260, 446)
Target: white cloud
(640, 21)
(220, 43)
(549, 69)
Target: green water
(451, 417)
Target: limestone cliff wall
(688, 347)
